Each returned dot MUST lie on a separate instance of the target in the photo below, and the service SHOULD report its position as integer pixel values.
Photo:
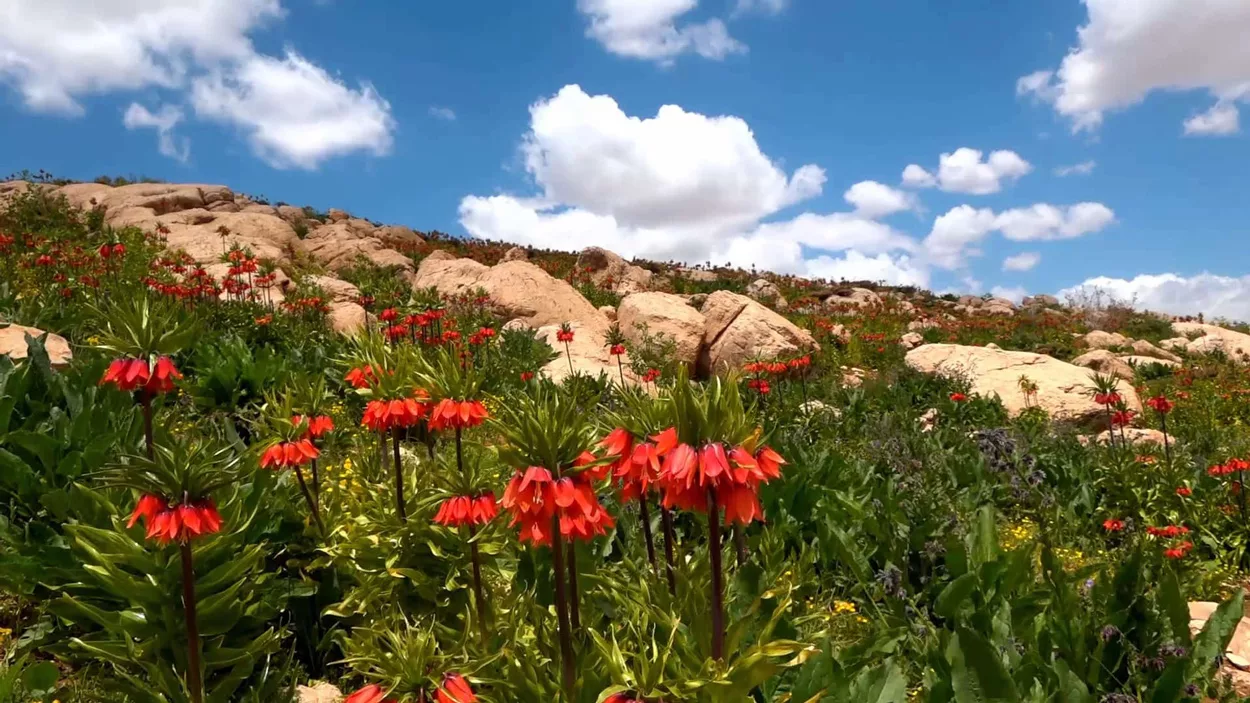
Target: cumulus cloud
(649, 29)
(1024, 261)
(1047, 222)
(54, 52)
(294, 113)
(1082, 169)
(1211, 294)
(771, 7)
(163, 121)
(1013, 293)
(872, 199)
(1222, 119)
(965, 171)
(956, 235)
(688, 187)
(1129, 49)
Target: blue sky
(789, 126)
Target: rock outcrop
(667, 315)
(767, 292)
(13, 344)
(1063, 389)
(1104, 362)
(610, 271)
(588, 352)
(739, 329)
(1212, 338)
(1105, 340)
(852, 298)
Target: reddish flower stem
(562, 608)
(644, 516)
(194, 677)
(478, 594)
(399, 478)
(718, 592)
(575, 610)
(666, 520)
(149, 435)
(316, 481)
(312, 504)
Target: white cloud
(1211, 294)
(964, 171)
(55, 51)
(1024, 261)
(956, 235)
(1131, 48)
(1222, 119)
(1014, 293)
(771, 7)
(916, 176)
(294, 112)
(1047, 222)
(688, 187)
(648, 29)
(442, 113)
(872, 199)
(139, 117)
(1082, 169)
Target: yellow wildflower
(843, 606)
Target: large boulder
(738, 329)
(1212, 338)
(852, 298)
(1063, 389)
(1099, 339)
(610, 271)
(1106, 363)
(663, 314)
(13, 344)
(515, 254)
(1040, 301)
(338, 246)
(767, 292)
(588, 352)
(320, 693)
(517, 289)
(1143, 348)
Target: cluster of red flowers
(1107, 399)
(1184, 491)
(1160, 404)
(1232, 466)
(288, 455)
(1178, 551)
(1112, 525)
(318, 426)
(361, 377)
(564, 335)
(110, 251)
(167, 523)
(958, 398)
(462, 511)
(454, 689)
(1122, 418)
(534, 497)
(616, 349)
(451, 414)
(621, 698)
(637, 466)
(130, 375)
(385, 415)
(1168, 532)
(651, 376)
(760, 386)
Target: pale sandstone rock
(608, 312)
(767, 292)
(1105, 340)
(1137, 436)
(739, 329)
(336, 215)
(911, 340)
(663, 314)
(1105, 362)
(347, 318)
(515, 254)
(517, 289)
(608, 269)
(1214, 338)
(1063, 389)
(340, 291)
(1143, 348)
(320, 693)
(338, 247)
(852, 298)
(1175, 344)
(13, 344)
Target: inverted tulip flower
(455, 689)
(372, 693)
(467, 511)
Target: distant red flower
(1169, 531)
(564, 335)
(460, 511)
(650, 376)
(1179, 551)
(457, 414)
(454, 690)
(581, 515)
(384, 415)
(263, 320)
(167, 523)
(801, 362)
(620, 698)
(1184, 491)
(527, 376)
(530, 499)
(372, 693)
(361, 377)
(616, 349)
(388, 315)
(129, 375)
(958, 398)
(1112, 525)
(1107, 398)
(288, 455)
(760, 386)
(317, 426)
(1160, 404)
(1122, 418)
